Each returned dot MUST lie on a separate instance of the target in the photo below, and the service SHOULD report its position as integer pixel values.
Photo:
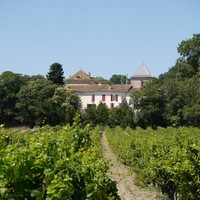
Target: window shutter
(116, 97)
(103, 97)
(93, 98)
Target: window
(93, 98)
(114, 97)
(103, 97)
(111, 105)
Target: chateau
(112, 95)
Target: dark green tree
(190, 50)
(89, 115)
(36, 106)
(119, 79)
(102, 114)
(100, 80)
(122, 116)
(96, 115)
(69, 101)
(150, 105)
(191, 95)
(56, 74)
(10, 84)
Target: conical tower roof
(142, 71)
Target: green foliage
(102, 114)
(89, 115)
(68, 101)
(119, 79)
(173, 98)
(40, 102)
(190, 50)
(96, 134)
(56, 74)
(100, 80)
(149, 105)
(53, 163)
(192, 115)
(96, 115)
(122, 116)
(10, 84)
(168, 158)
(35, 103)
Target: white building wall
(86, 98)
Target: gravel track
(127, 190)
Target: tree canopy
(56, 74)
(35, 103)
(34, 100)
(10, 84)
(100, 80)
(119, 79)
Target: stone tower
(141, 77)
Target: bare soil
(127, 190)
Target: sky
(101, 37)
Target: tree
(191, 95)
(56, 74)
(100, 80)
(122, 116)
(191, 115)
(10, 84)
(150, 105)
(89, 115)
(102, 114)
(36, 106)
(96, 115)
(152, 111)
(190, 51)
(69, 101)
(119, 79)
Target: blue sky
(103, 37)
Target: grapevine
(53, 163)
(168, 158)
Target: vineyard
(67, 162)
(167, 158)
(53, 163)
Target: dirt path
(127, 190)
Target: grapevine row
(53, 163)
(169, 158)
